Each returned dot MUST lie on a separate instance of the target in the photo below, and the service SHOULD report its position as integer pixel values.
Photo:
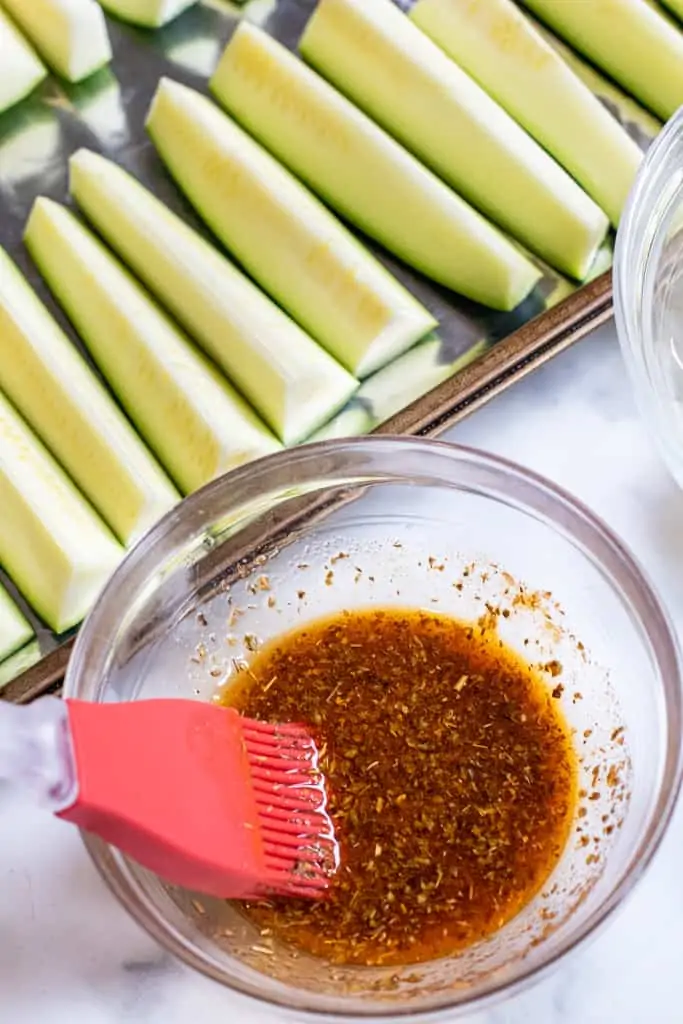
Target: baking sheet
(475, 353)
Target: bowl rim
(671, 683)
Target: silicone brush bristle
(203, 797)
(301, 853)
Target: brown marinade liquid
(451, 773)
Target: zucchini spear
(193, 420)
(22, 69)
(368, 177)
(51, 385)
(70, 35)
(494, 42)
(375, 55)
(630, 40)
(52, 544)
(292, 246)
(291, 381)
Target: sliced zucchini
(353, 421)
(675, 6)
(498, 46)
(395, 386)
(52, 543)
(70, 35)
(368, 177)
(371, 52)
(19, 662)
(148, 13)
(634, 119)
(630, 40)
(286, 239)
(22, 68)
(294, 384)
(194, 421)
(15, 630)
(53, 388)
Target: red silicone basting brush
(205, 798)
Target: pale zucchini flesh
(19, 662)
(292, 246)
(611, 96)
(22, 69)
(51, 385)
(52, 544)
(294, 384)
(495, 43)
(70, 35)
(371, 52)
(368, 177)
(397, 385)
(15, 630)
(148, 13)
(194, 421)
(630, 40)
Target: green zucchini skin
(287, 240)
(22, 68)
(364, 174)
(53, 545)
(377, 57)
(70, 35)
(197, 425)
(290, 380)
(55, 391)
(629, 39)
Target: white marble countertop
(69, 954)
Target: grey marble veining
(69, 954)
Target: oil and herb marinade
(451, 777)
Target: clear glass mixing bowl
(648, 290)
(421, 524)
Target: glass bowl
(404, 522)
(648, 290)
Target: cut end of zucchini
(369, 178)
(311, 402)
(292, 382)
(22, 68)
(71, 35)
(147, 13)
(21, 661)
(292, 246)
(52, 544)
(15, 630)
(196, 424)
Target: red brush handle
(168, 782)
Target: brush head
(206, 799)
(299, 845)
